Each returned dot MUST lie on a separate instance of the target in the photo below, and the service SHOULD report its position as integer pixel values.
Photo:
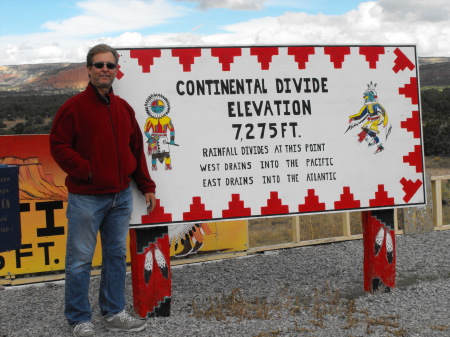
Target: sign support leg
(380, 256)
(150, 271)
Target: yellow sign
(43, 204)
(44, 229)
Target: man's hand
(150, 200)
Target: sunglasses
(109, 65)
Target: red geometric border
(226, 56)
(312, 203)
(274, 205)
(120, 74)
(187, 57)
(414, 158)
(197, 211)
(372, 55)
(412, 124)
(337, 55)
(157, 216)
(381, 198)
(236, 208)
(264, 55)
(402, 62)
(301, 55)
(410, 188)
(410, 90)
(145, 57)
(347, 200)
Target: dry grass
(233, 305)
(318, 307)
(439, 327)
(272, 231)
(437, 166)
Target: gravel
(308, 291)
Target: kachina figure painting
(159, 130)
(376, 127)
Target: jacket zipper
(115, 142)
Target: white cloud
(370, 23)
(425, 23)
(46, 52)
(105, 16)
(67, 40)
(416, 10)
(230, 4)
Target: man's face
(103, 78)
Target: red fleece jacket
(99, 144)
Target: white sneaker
(84, 329)
(123, 321)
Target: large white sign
(242, 132)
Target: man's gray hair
(100, 48)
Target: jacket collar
(106, 98)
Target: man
(96, 140)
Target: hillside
(435, 74)
(433, 60)
(434, 71)
(61, 78)
(44, 79)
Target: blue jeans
(87, 215)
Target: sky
(50, 31)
